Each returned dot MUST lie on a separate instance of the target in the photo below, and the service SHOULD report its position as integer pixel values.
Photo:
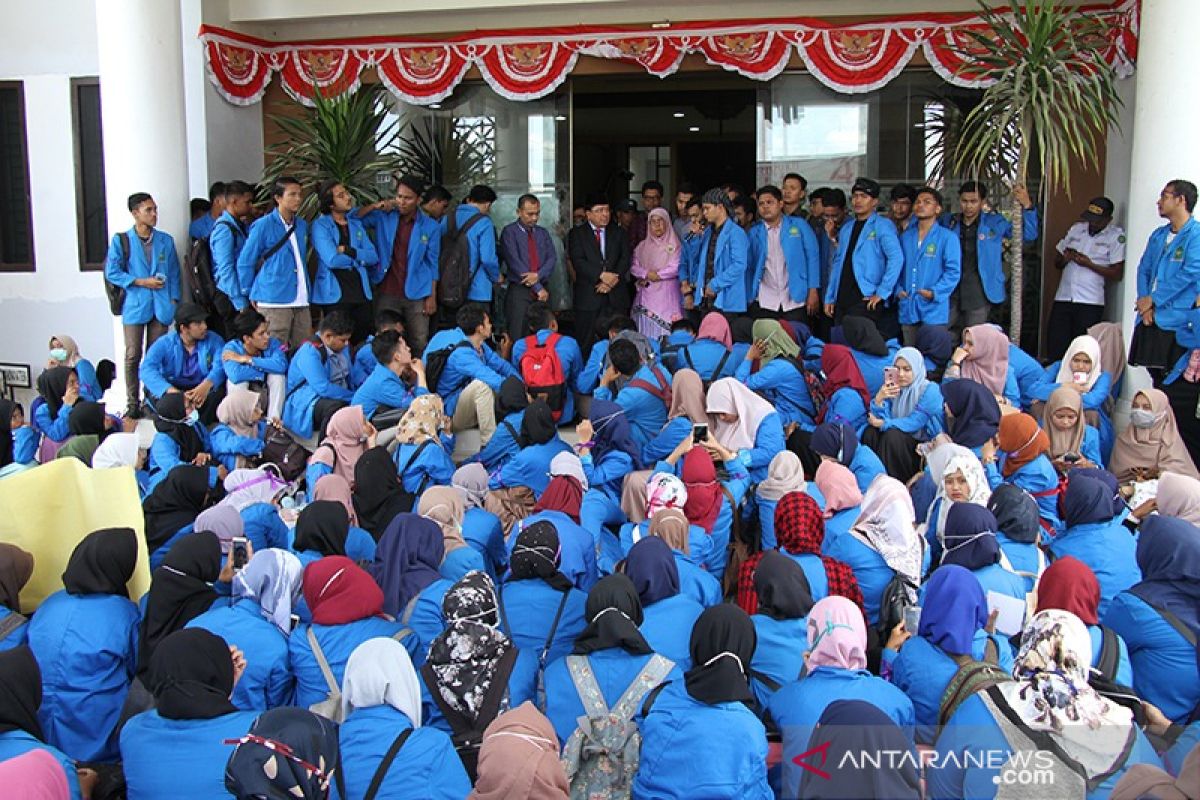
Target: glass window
(16, 228)
(92, 216)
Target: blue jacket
(326, 238)
(156, 752)
(142, 304)
(866, 466)
(420, 470)
(704, 356)
(569, 356)
(994, 228)
(872, 366)
(784, 386)
(529, 467)
(307, 382)
(481, 242)
(729, 268)
(577, 547)
(57, 429)
(267, 682)
(385, 388)
(934, 264)
(337, 643)
(275, 282)
(681, 759)
(779, 653)
(697, 583)
(1039, 478)
(264, 527)
(667, 627)
(89, 384)
(465, 364)
(504, 444)
(995, 578)
(616, 548)
(846, 406)
(225, 243)
(87, 648)
(1168, 273)
(228, 445)
(1124, 665)
(16, 638)
(925, 421)
(164, 455)
(484, 533)
(529, 607)
(363, 363)
(424, 248)
(646, 412)
(870, 570)
(800, 252)
(426, 619)
(769, 441)
(1108, 549)
(737, 482)
(667, 439)
(1164, 663)
(878, 260)
(165, 361)
(614, 669)
(1026, 371)
(426, 766)
(273, 361)
(1093, 399)
(26, 441)
(17, 743)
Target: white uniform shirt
(1079, 284)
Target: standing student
(600, 253)
(484, 270)
(793, 190)
(932, 267)
(1091, 255)
(529, 260)
(345, 259)
(143, 262)
(784, 270)
(226, 241)
(716, 280)
(274, 255)
(900, 210)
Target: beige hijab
(785, 475)
(71, 347)
(687, 397)
(423, 420)
(1158, 448)
(1179, 496)
(237, 411)
(445, 506)
(671, 525)
(1070, 440)
(519, 759)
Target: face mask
(193, 417)
(1142, 418)
(58, 353)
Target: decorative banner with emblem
(527, 64)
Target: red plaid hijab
(799, 530)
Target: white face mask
(58, 353)
(1142, 418)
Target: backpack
(435, 365)
(896, 597)
(602, 755)
(542, 371)
(662, 391)
(10, 624)
(455, 275)
(972, 676)
(812, 380)
(1103, 676)
(116, 294)
(199, 266)
(288, 455)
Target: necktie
(534, 263)
(599, 241)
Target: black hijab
(7, 407)
(1017, 514)
(20, 692)
(52, 385)
(537, 425)
(856, 726)
(323, 526)
(102, 563)
(180, 590)
(171, 420)
(257, 770)
(975, 412)
(722, 645)
(192, 675)
(16, 568)
(511, 398)
(614, 613)
(536, 554)
(782, 587)
(378, 494)
(862, 335)
(87, 418)
(175, 503)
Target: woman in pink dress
(656, 268)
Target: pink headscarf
(837, 636)
(336, 488)
(838, 486)
(344, 442)
(714, 326)
(988, 362)
(655, 253)
(664, 490)
(34, 775)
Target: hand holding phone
(699, 432)
(889, 375)
(240, 551)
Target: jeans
(134, 335)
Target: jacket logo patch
(793, 231)
(871, 235)
(930, 249)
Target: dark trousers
(795, 315)
(1068, 320)
(361, 314)
(896, 449)
(325, 408)
(585, 328)
(886, 318)
(1184, 397)
(517, 300)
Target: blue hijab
(954, 609)
(975, 410)
(407, 560)
(970, 536)
(1108, 479)
(1085, 501)
(857, 727)
(836, 440)
(610, 429)
(651, 566)
(1168, 554)
(910, 395)
(935, 342)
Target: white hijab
(729, 396)
(379, 672)
(118, 450)
(946, 459)
(568, 464)
(886, 522)
(1090, 348)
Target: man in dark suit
(599, 251)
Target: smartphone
(699, 432)
(1071, 458)
(295, 620)
(240, 551)
(889, 375)
(912, 619)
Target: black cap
(625, 204)
(1099, 209)
(187, 313)
(865, 185)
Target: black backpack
(892, 604)
(116, 294)
(1103, 677)
(455, 275)
(199, 266)
(435, 365)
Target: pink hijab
(838, 486)
(837, 636)
(988, 362)
(336, 488)
(34, 775)
(655, 253)
(714, 326)
(343, 443)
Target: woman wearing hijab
(359, 544)
(655, 266)
(87, 427)
(972, 413)
(608, 453)
(784, 476)
(951, 632)
(970, 542)
(883, 542)
(239, 436)
(1018, 529)
(9, 462)
(983, 358)
(560, 505)
(673, 527)
(252, 493)
(58, 391)
(846, 395)
(1026, 464)
(1094, 537)
(784, 600)
(937, 344)
(180, 590)
(611, 651)
(172, 507)
(1178, 496)
(1082, 371)
(322, 529)
(36, 775)
(686, 411)
(180, 439)
(347, 610)
(1150, 445)
(1159, 616)
(679, 752)
(378, 493)
(64, 352)
(662, 490)
(289, 752)
(20, 697)
(511, 402)
(906, 412)
(838, 442)
(16, 568)
(1073, 442)
(1070, 585)
(445, 507)
(407, 567)
(381, 701)
(712, 354)
(870, 350)
(960, 478)
(259, 620)
(423, 456)
(668, 613)
(86, 637)
(482, 528)
(539, 444)
(518, 759)
(773, 368)
(746, 427)
(843, 498)
(193, 674)
(347, 436)
(856, 726)
(1085, 742)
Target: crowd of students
(763, 537)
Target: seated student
(471, 373)
(1158, 618)
(540, 443)
(345, 257)
(905, 412)
(696, 582)
(1070, 585)
(972, 414)
(960, 478)
(252, 493)
(253, 360)
(181, 440)
(64, 352)
(511, 402)
(618, 326)
(610, 658)
(560, 504)
(950, 633)
(608, 453)
(171, 509)
(259, 619)
(444, 506)
(780, 375)
(859, 727)
(58, 392)
(646, 394)
(640, 501)
(846, 397)
(186, 359)
(668, 613)
(937, 345)
(1002, 721)
(519, 757)
(318, 379)
(195, 673)
(686, 412)
(348, 435)
(87, 427)
(381, 701)
(1178, 496)
(1092, 535)
(288, 752)
(364, 362)
(347, 610)
(1019, 529)
(712, 354)
(85, 638)
(1028, 373)
(407, 567)
(22, 733)
(1081, 370)
(397, 378)
(378, 493)
(842, 500)
(422, 456)
(24, 437)
(1026, 464)
(983, 358)
(838, 442)
(683, 333)
(970, 542)
(870, 351)
(239, 436)
(538, 351)
(745, 426)
(678, 751)
(16, 568)
(482, 528)
(780, 619)
(1073, 442)
(1150, 444)
(785, 475)
(326, 526)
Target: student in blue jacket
(16, 568)
(646, 395)
(85, 638)
(839, 443)
(181, 440)
(688, 409)
(608, 453)
(678, 751)
(780, 622)
(932, 267)
(144, 263)
(970, 542)
(746, 427)
(318, 378)
(24, 438)
(539, 442)
(345, 259)
(364, 362)
(1074, 444)
(273, 261)
(226, 241)
(871, 351)
(668, 614)
(444, 506)
(20, 696)
(194, 674)
(1026, 464)
(511, 402)
(784, 272)
(188, 360)
(481, 243)
(58, 392)
(542, 326)
(1096, 538)
(1081, 371)
(422, 456)
(906, 411)
(773, 369)
(662, 489)
(64, 352)
(389, 390)
(252, 493)
(712, 354)
(258, 619)
(1167, 275)
(381, 701)
(1027, 371)
(842, 499)
(847, 397)
(482, 528)
(324, 529)
(1018, 530)
(412, 569)
(254, 361)
(1070, 585)
(717, 277)
(241, 431)
(867, 264)
(1157, 617)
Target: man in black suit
(599, 251)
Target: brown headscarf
(1158, 448)
(344, 442)
(237, 411)
(519, 759)
(671, 526)
(633, 495)
(1112, 348)
(988, 362)
(687, 397)
(1022, 440)
(511, 504)
(445, 506)
(336, 488)
(1070, 440)
(16, 568)
(1147, 780)
(423, 420)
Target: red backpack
(662, 391)
(542, 371)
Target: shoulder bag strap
(504, 626)
(322, 662)
(11, 623)
(386, 764)
(991, 653)
(1110, 654)
(1175, 622)
(590, 694)
(720, 366)
(413, 458)
(648, 703)
(408, 610)
(553, 628)
(126, 250)
(273, 249)
(650, 676)
(687, 356)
